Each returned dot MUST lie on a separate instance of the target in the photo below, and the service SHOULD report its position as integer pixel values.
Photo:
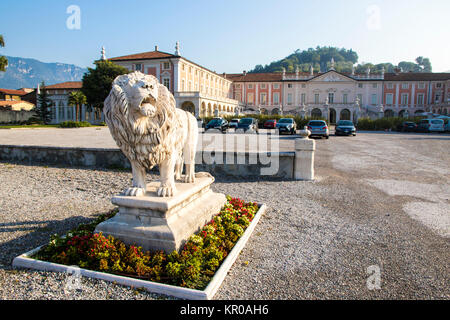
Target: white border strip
(155, 287)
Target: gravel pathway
(318, 239)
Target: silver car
(318, 128)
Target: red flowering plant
(193, 266)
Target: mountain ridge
(29, 72)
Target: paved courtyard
(381, 201)
(99, 137)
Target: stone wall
(276, 164)
(10, 116)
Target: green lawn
(31, 126)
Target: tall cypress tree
(43, 111)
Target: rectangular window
(182, 85)
(276, 86)
(389, 99)
(263, 98)
(437, 98)
(345, 98)
(390, 85)
(421, 85)
(276, 98)
(374, 85)
(289, 85)
(263, 85)
(316, 98)
(360, 98)
(330, 97)
(138, 67)
(289, 98)
(238, 97)
(303, 85)
(404, 99)
(374, 99)
(238, 86)
(166, 66)
(250, 86)
(250, 98)
(420, 99)
(405, 85)
(166, 82)
(360, 85)
(303, 97)
(438, 85)
(61, 112)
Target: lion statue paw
(135, 192)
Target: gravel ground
(316, 241)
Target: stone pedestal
(157, 223)
(304, 159)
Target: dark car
(233, 123)
(287, 125)
(407, 126)
(318, 128)
(270, 124)
(218, 124)
(247, 124)
(345, 128)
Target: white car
(431, 125)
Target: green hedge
(382, 124)
(74, 124)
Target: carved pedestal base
(157, 223)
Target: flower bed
(192, 267)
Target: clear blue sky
(228, 36)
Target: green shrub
(74, 124)
(382, 124)
(192, 267)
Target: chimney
(156, 48)
(244, 73)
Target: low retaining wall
(245, 164)
(11, 116)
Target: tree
(3, 60)
(44, 104)
(77, 99)
(424, 64)
(97, 82)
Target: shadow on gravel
(155, 171)
(36, 235)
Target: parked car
(318, 128)
(431, 125)
(447, 125)
(270, 124)
(233, 123)
(286, 125)
(345, 128)
(218, 124)
(407, 126)
(247, 124)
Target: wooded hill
(344, 59)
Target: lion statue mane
(142, 117)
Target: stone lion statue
(148, 128)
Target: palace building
(330, 94)
(195, 88)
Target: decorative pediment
(332, 76)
